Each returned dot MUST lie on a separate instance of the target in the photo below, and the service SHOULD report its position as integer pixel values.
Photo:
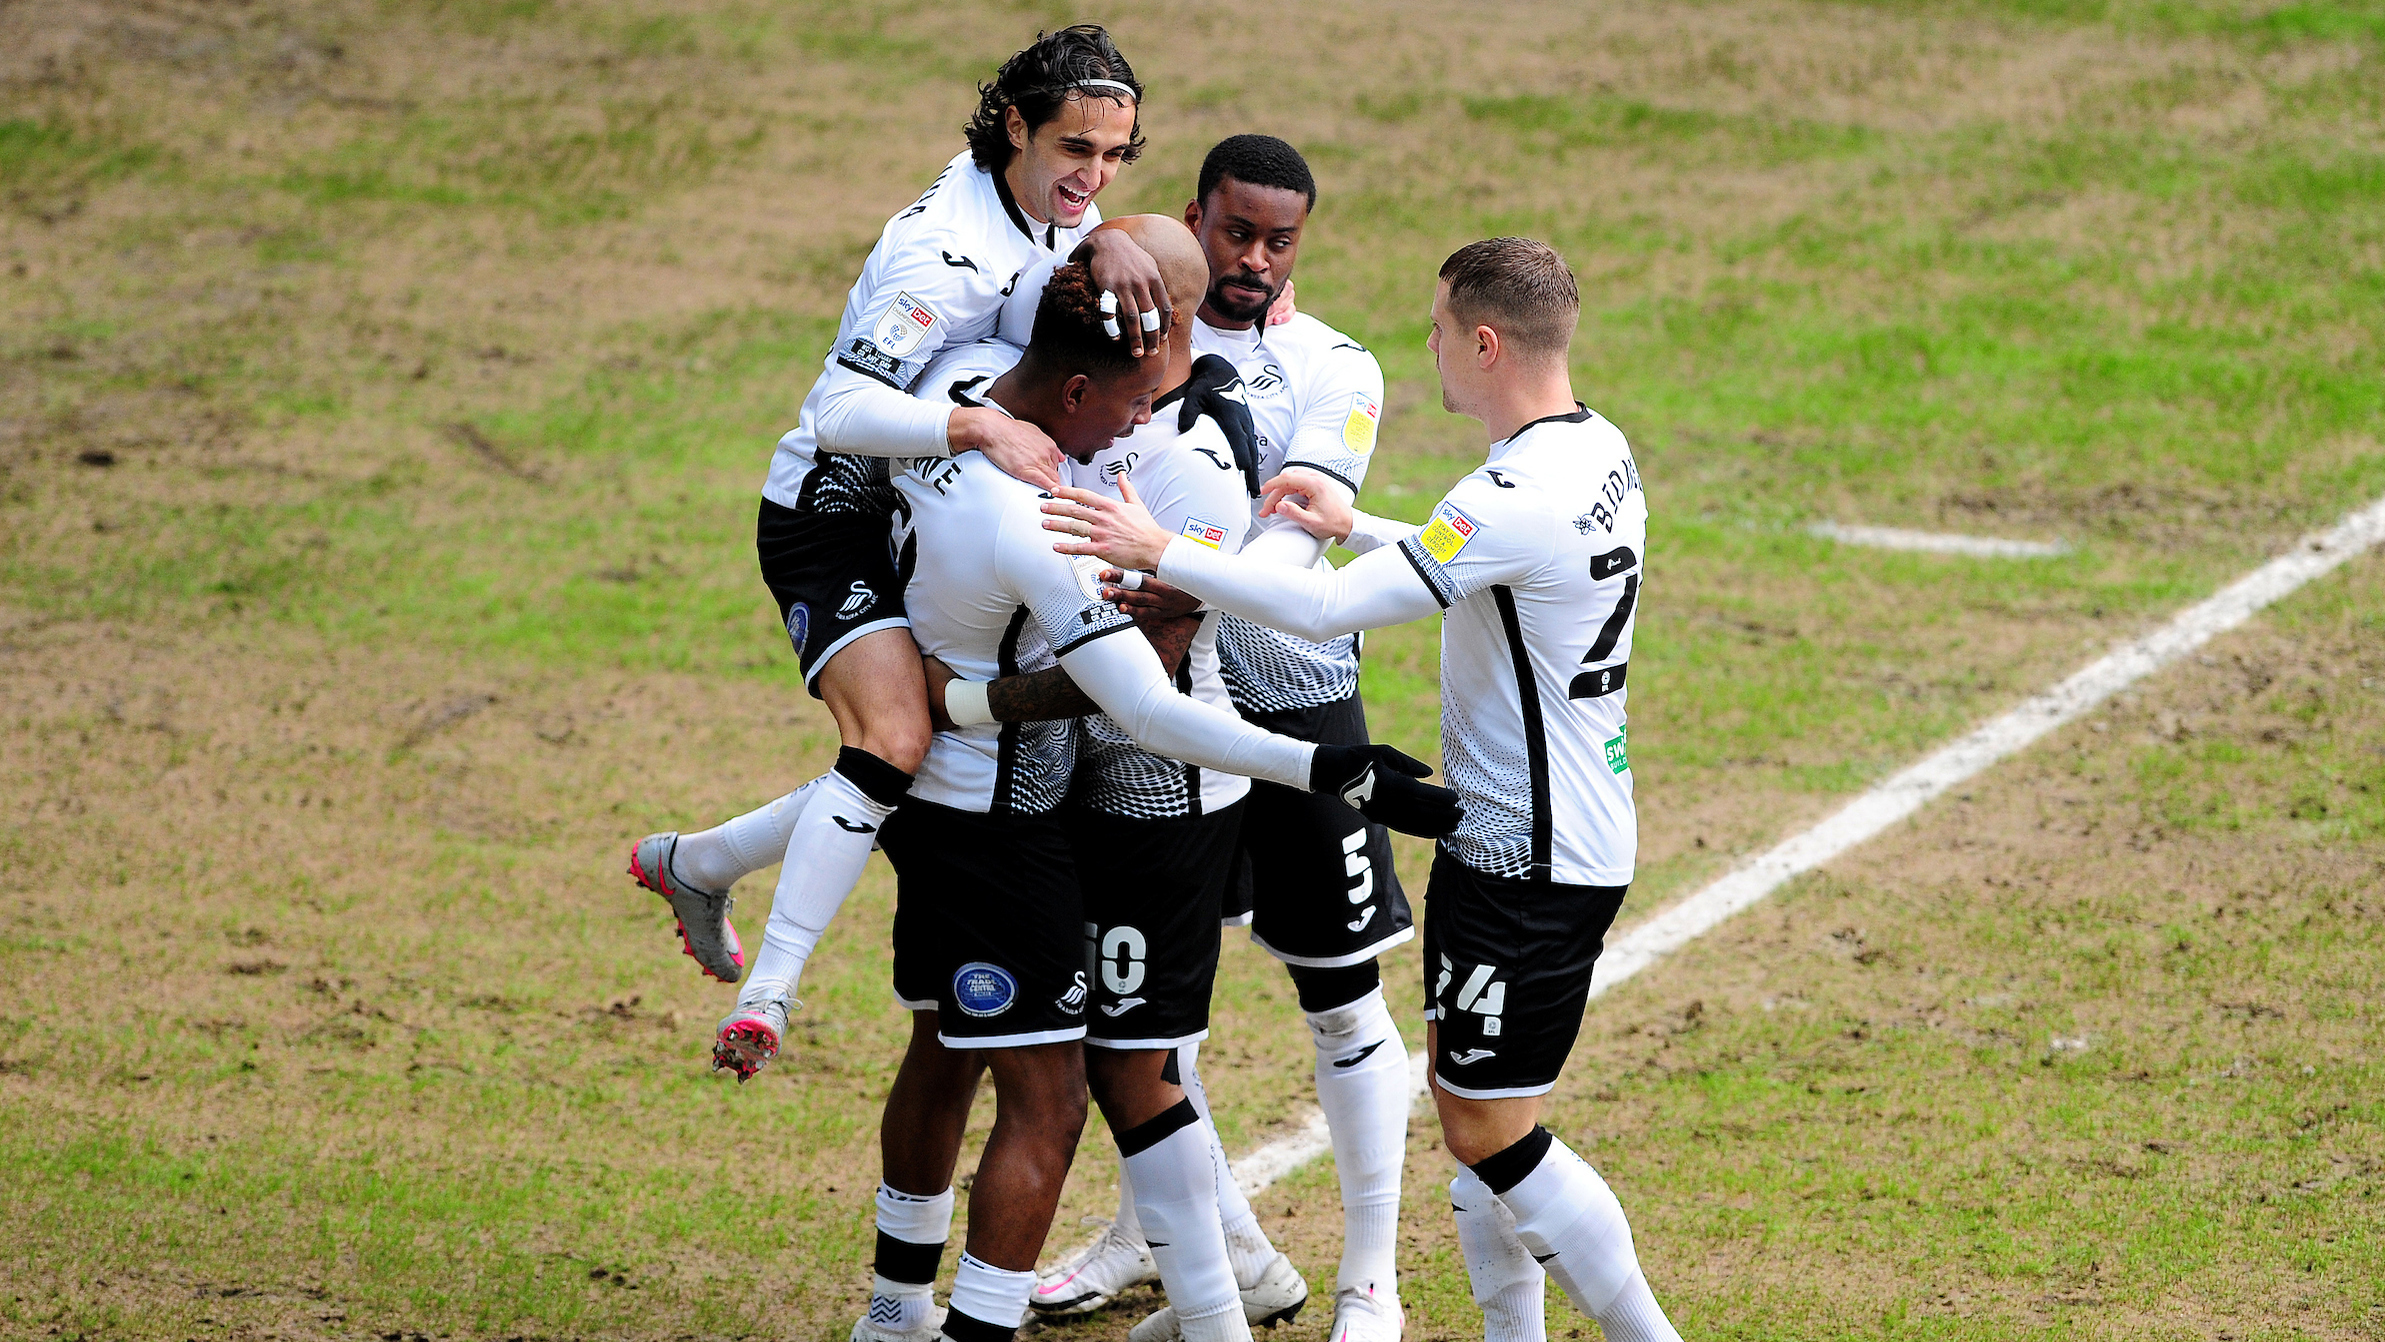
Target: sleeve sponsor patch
(1204, 533)
(1448, 532)
(1088, 570)
(904, 326)
(1358, 431)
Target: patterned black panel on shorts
(844, 484)
(1268, 671)
(1496, 836)
(1117, 777)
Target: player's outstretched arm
(1374, 591)
(1123, 676)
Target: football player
(1315, 880)
(990, 950)
(1051, 131)
(1537, 559)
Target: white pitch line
(1937, 542)
(1907, 792)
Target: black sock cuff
(911, 1264)
(1331, 989)
(962, 1328)
(1151, 1132)
(1508, 1168)
(879, 781)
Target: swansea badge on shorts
(980, 989)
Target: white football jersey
(1316, 400)
(1538, 557)
(1191, 485)
(989, 598)
(936, 279)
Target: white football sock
(1570, 1221)
(1175, 1185)
(1509, 1286)
(912, 1231)
(825, 855)
(719, 857)
(1247, 1246)
(989, 1294)
(1128, 1225)
(1362, 1085)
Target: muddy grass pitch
(384, 390)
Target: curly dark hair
(1259, 160)
(1068, 336)
(1040, 80)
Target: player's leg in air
(1053, 128)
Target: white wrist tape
(965, 703)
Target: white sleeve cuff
(965, 703)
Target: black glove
(1215, 390)
(1381, 782)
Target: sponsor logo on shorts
(1447, 533)
(1472, 1055)
(799, 626)
(1117, 1009)
(1073, 1001)
(980, 989)
(1617, 760)
(858, 598)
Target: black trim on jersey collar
(1536, 740)
(1581, 415)
(1010, 206)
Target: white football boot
(749, 1037)
(866, 1329)
(1275, 1298)
(1095, 1275)
(705, 933)
(1363, 1316)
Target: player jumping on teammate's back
(1537, 559)
(989, 923)
(1315, 880)
(1051, 130)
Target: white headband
(1127, 89)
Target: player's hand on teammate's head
(1119, 265)
(1384, 784)
(1120, 531)
(1150, 600)
(1215, 390)
(1314, 501)
(1020, 449)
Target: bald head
(1182, 265)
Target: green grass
(439, 350)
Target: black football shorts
(1506, 974)
(989, 928)
(1313, 879)
(834, 577)
(1153, 889)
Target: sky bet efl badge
(1204, 533)
(1446, 534)
(1358, 431)
(905, 323)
